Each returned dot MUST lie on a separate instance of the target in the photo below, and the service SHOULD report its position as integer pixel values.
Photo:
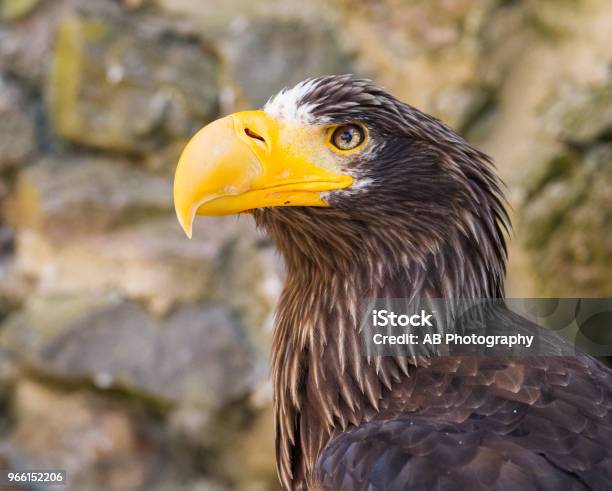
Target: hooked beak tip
(186, 223)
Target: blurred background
(136, 359)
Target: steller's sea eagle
(367, 197)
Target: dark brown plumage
(429, 222)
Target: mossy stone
(112, 87)
(16, 9)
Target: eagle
(366, 196)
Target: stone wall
(136, 359)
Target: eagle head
(342, 174)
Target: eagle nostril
(251, 134)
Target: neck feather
(321, 380)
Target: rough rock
(13, 287)
(111, 87)
(153, 262)
(78, 194)
(253, 448)
(214, 19)
(72, 432)
(566, 216)
(425, 53)
(580, 114)
(198, 355)
(567, 224)
(242, 439)
(26, 44)
(15, 9)
(102, 444)
(266, 55)
(17, 139)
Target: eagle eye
(347, 137)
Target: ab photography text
(385, 318)
(497, 327)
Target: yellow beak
(250, 160)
